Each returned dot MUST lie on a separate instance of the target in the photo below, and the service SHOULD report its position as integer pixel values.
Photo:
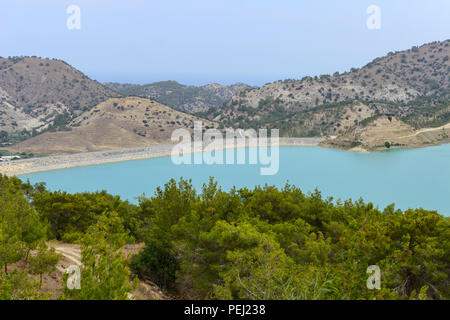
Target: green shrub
(355, 144)
(157, 263)
(72, 237)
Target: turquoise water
(410, 178)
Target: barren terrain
(114, 124)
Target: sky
(223, 41)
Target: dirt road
(424, 130)
(71, 255)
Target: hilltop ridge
(38, 87)
(56, 108)
(182, 97)
(413, 84)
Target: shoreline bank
(50, 163)
(65, 161)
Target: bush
(72, 237)
(355, 144)
(157, 263)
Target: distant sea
(410, 178)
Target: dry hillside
(33, 90)
(113, 124)
(400, 76)
(62, 110)
(402, 83)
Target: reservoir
(410, 178)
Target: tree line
(260, 243)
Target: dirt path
(446, 126)
(71, 255)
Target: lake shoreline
(65, 161)
(57, 162)
(362, 150)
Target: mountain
(113, 124)
(59, 109)
(185, 98)
(33, 91)
(49, 107)
(413, 85)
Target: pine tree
(104, 272)
(44, 261)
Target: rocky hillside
(402, 83)
(33, 91)
(185, 98)
(59, 109)
(113, 124)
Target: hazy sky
(224, 41)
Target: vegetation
(11, 138)
(21, 230)
(60, 122)
(104, 272)
(265, 243)
(44, 261)
(156, 262)
(328, 118)
(283, 244)
(25, 230)
(70, 215)
(181, 97)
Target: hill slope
(185, 98)
(34, 90)
(114, 124)
(401, 83)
